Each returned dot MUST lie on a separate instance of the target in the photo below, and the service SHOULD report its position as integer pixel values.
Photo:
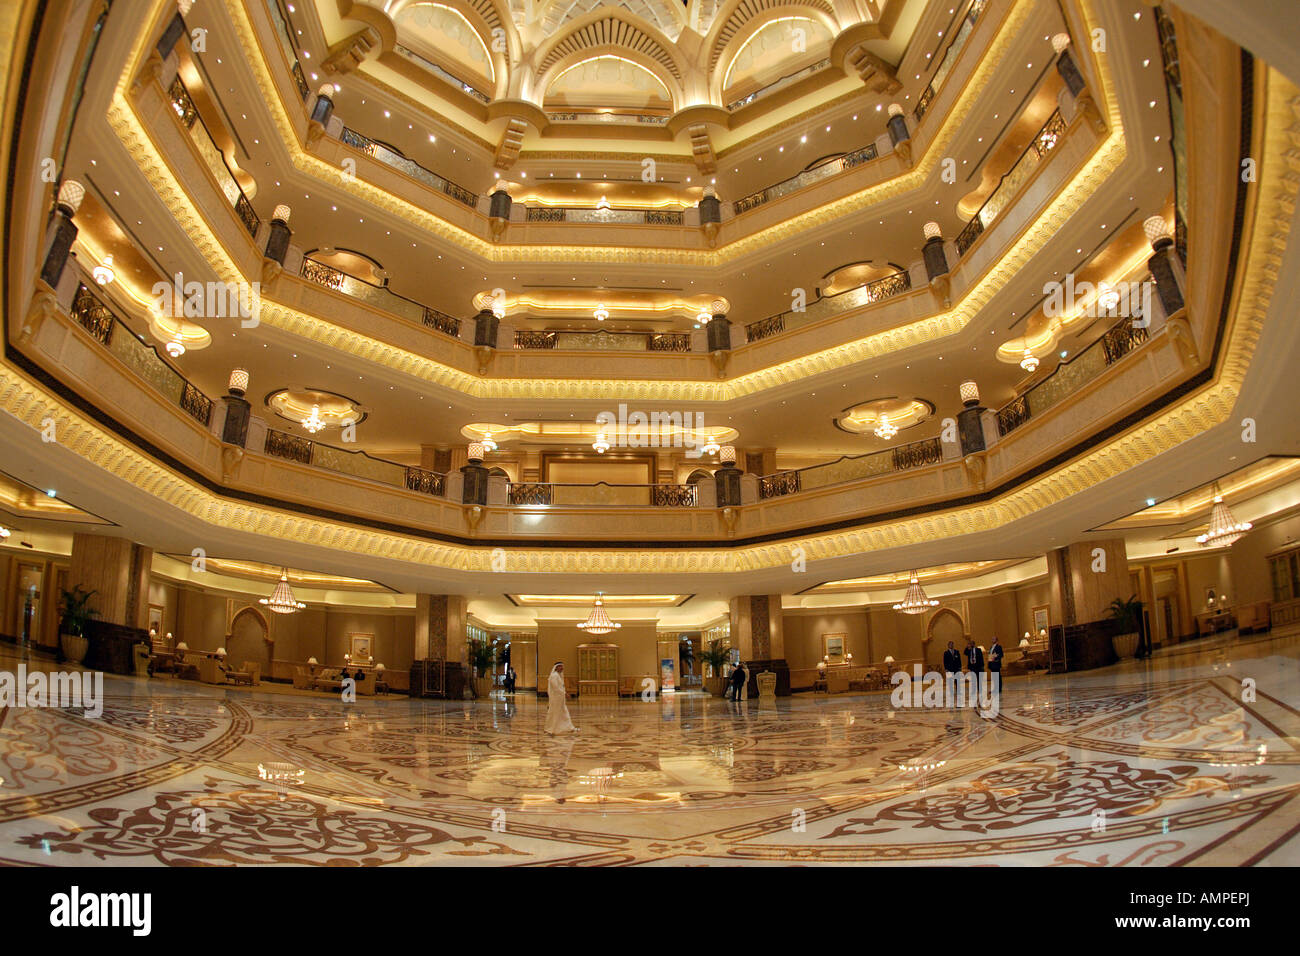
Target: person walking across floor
(975, 664)
(510, 679)
(557, 709)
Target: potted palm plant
(482, 658)
(1127, 616)
(74, 613)
(716, 657)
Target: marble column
(118, 570)
(756, 630)
(440, 627)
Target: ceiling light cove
(884, 417)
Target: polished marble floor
(1159, 763)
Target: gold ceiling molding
(1264, 248)
(310, 165)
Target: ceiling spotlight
(1029, 362)
(104, 274)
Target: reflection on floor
(1159, 763)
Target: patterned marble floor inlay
(1163, 763)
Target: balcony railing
(623, 217)
(1069, 377)
(919, 454)
(779, 84)
(602, 341)
(212, 156)
(806, 178)
(883, 288)
(426, 482)
(279, 20)
(1008, 186)
(390, 157)
(622, 119)
(955, 46)
(601, 493)
(110, 331)
(379, 296)
(442, 74)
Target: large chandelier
(282, 600)
(915, 601)
(601, 313)
(601, 444)
(1029, 361)
(175, 347)
(488, 443)
(885, 429)
(598, 621)
(1223, 529)
(313, 422)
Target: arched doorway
(945, 626)
(698, 475)
(247, 640)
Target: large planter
(483, 686)
(1124, 645)
(714, 686)
(74, 648)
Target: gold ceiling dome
(884, 417)
(315, 409)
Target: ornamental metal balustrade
(106, 328)
(918, 454)
(876, 291)
(779, 84)
(626, 119)
(379, 296)
(602, 341)
(806, 178)
(426, 482)
(390, 157)
(212, 155)
(602, 494)
(623, 217)
(449, 78)
(1008, 187)
(280, 23)
(955, 46)
(1068, 377)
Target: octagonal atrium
(501, 432)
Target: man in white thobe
(557, 710)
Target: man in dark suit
(738, 682)
(975, 664)
(995, 667)
(952, 668)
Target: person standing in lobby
(739, 678)
(995, 667)
(952, 667)
(975, 664)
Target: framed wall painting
(1041, 621)
(833, 647)
(361, 646)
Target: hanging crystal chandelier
(915, 601)
(175, 347)
(885, 429)
(313, 422)
(601, 313)
(1223, 529)
(598, 621)
(1029, 361)
(711, 446)
(282, 600)
(601, 444)
(488, 443)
